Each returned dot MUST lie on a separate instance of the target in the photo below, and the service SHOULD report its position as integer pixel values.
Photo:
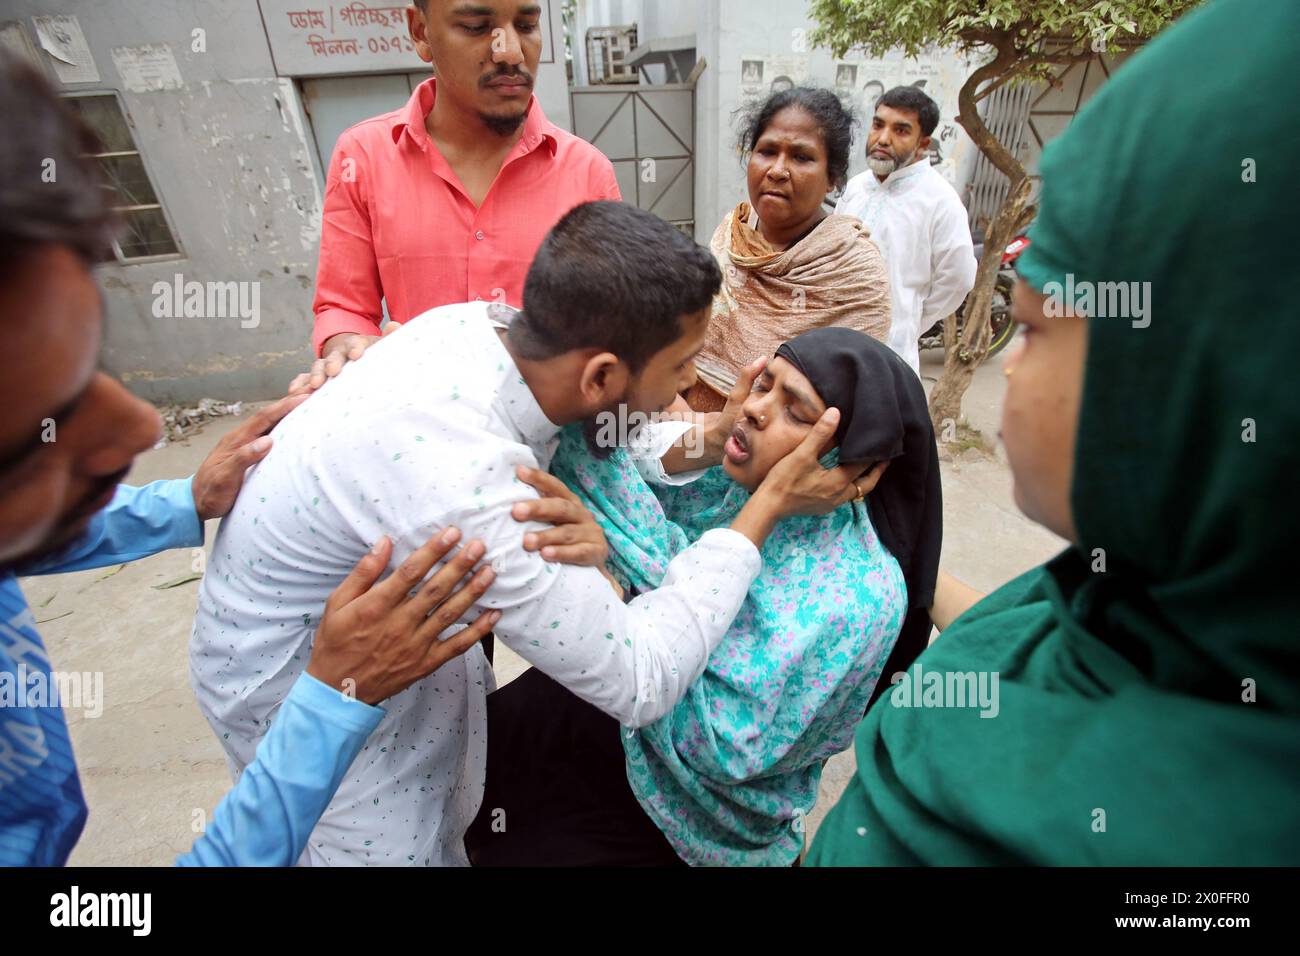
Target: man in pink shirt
(447, 199)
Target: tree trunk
(963, 353)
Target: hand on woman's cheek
(1040, 413)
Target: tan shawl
(833, 276)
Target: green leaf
(177, 582)
(109, 574)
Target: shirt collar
(410, 119)
(515, 400)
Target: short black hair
(613, 277)
(914, 100)
(834, 120)
(50, 193)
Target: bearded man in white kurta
(914, 216)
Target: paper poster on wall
(147, 69)
(786, 71)
(922, 74)
(751, 79)
(764, 74)
(874, 77)
(62, 39)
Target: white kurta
(421, 434)
(920, 225)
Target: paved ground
(150, 765)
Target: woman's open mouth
(737, 447)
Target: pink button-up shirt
(399, 226)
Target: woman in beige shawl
(787, 266)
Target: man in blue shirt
(67, 439)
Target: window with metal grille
(146, 233)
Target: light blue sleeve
(267, 816)
(138, 522)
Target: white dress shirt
(920, 225)
(424, 433)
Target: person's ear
(604, 379)
(867, 482)
(923, 144)
(418, 28)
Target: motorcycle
(1002, 326)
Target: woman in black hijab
(728, 771)
(884, 417)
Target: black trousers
(557, 791)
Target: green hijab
(1149, 714)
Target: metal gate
(648, 133)
(1025, 117)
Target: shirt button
(479, 235)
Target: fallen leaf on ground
(109, 574)
(177, 582)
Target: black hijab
(884, 416)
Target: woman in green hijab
(1149, 676)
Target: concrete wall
(230, 154)
(231, 159)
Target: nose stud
(762, 419)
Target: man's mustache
(512, 73)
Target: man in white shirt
(914, 216)
(427, 433)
